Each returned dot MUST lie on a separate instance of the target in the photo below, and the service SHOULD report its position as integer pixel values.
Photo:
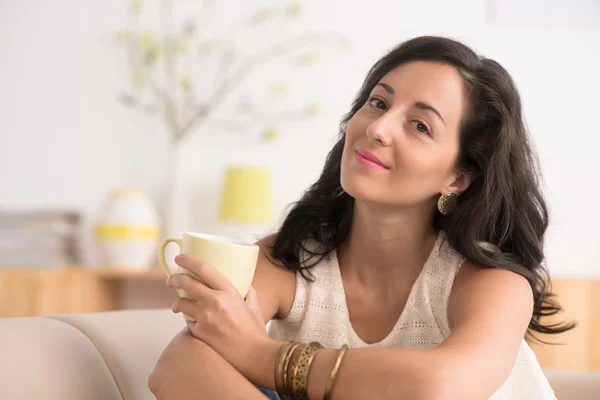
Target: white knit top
(319, 313)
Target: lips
(369, 159)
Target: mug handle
(163, 263)
(161, 254)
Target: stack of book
(39, 238)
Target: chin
(363, 189)
(361, 182)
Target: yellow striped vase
(127, 230)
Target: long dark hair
(504, 205)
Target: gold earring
(447, 203)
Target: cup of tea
(234, 259)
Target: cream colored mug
(236, 260)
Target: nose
(381, 130)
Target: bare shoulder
(491, 290)
(489, 313)
(469, 274)
(275, 285)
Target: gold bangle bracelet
(279, 363)
(334, 371)
(292, 369)
(301, 367)
(287, 390)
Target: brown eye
(421, 127)
(377, 103)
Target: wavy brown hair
(504, 205)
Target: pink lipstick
(368, 159)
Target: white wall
(66, 141)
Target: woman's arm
(489, 311)
(274, 287)
(189, 369)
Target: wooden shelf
(580, 348)
(71, 289)
(120, 273)
(153, 273)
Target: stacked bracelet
(281, 364)
(292, 367)
(334, 371)
(300, 365)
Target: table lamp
(247, 199)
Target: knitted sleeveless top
(319, 313)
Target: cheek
(358, 124)
(352, 130)
(348, 149)
(422, 166)
(353, 134)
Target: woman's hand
(234, 328)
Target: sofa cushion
(575, 385)
(130, 342)
(42, 358)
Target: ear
(460, 183)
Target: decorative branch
(132, 101)
(274, 119)
(185, 116)
(260, 57)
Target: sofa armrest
(42, 358)
(130, 343)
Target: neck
(384, 240)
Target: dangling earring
(447, 203)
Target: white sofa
(108, 356)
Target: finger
(192, 286)
(213, 278)
(190, 263)
(186, 306)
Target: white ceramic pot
(128, 230)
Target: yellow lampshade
(247, 195)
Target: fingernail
(168, 282)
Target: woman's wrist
(262, 366)
(318, 375)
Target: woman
(420, 247)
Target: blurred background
(123, 122)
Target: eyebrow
(387, 87)
(421, 105)
(424, 106)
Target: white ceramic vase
(127, 230)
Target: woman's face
(402, 144)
